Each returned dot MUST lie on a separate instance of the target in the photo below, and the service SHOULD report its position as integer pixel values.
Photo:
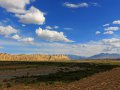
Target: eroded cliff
(32, 57)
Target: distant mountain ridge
(97, 56)
(105, 56)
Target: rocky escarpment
(32, 57)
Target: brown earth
(109, 80)
(32, 57)
(42, 70)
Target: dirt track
(109, 80)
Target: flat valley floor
(74, 75)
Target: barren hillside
(32, 57)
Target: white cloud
(109, 32)
(49, 27)
(112, 29)
(56, 27)
(87, 49)
(7, 30)
(111, 45)
(16, 37)
(115, 42)
(32, 16)
(51, 35)
(116, 22)
(79, 5)
(98, 32)
(27, 40)
(111, 40)
(23, 39)
(52, 27)
(18, 7)
(12, 33)
(106, 25)
(14, 6)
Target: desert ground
(69, 75)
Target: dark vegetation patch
(0, 85)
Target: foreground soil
(109, 80)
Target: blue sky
(79, 27)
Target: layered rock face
(32, 57)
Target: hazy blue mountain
(97, 56)
(105, 56)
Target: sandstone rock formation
(32, 57)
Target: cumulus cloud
(116, 22)
(7, 30)
(32, 16)
(23, 39)
(112, 29)
(14, 6)
(98, 32)
(18, 7)
(51, 35)
(12, 33)
(79, 5)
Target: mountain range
(97, 56)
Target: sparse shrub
(8, 85)
(5, 80)
(28, 74)
(0, 85)
(26, 84)
(49, 83)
